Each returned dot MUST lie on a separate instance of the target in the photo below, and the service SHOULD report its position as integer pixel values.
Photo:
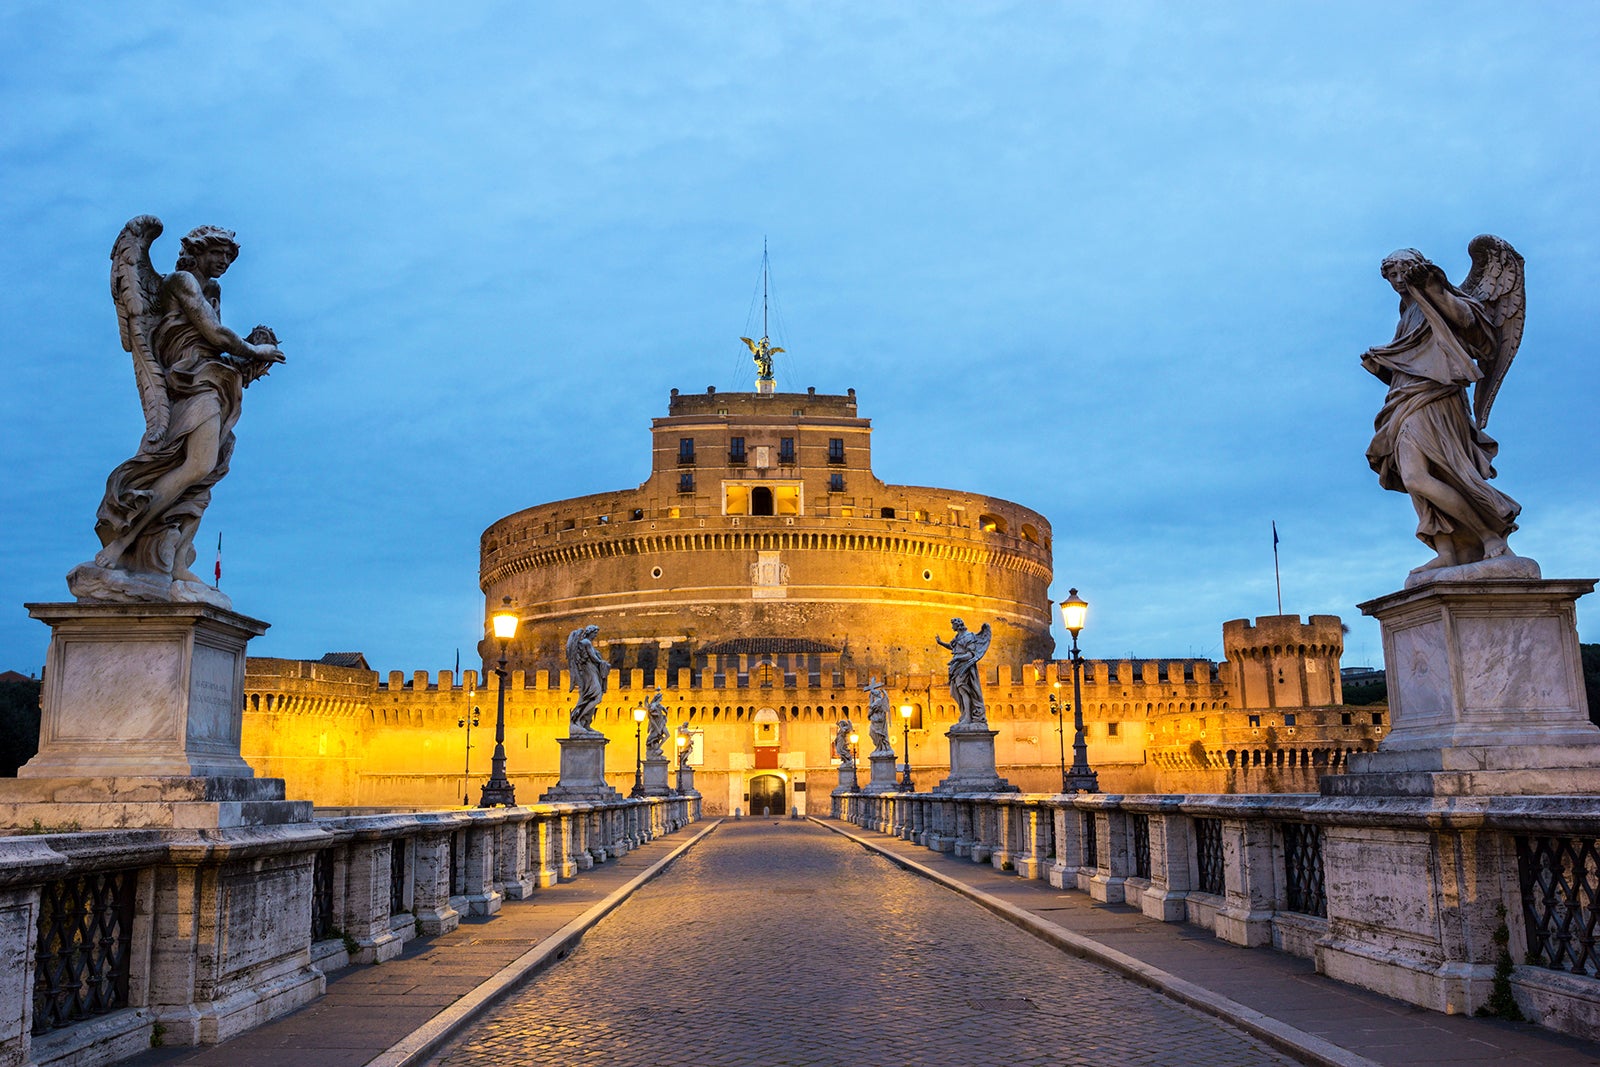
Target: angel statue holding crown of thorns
(1429, 441)
(191, 371)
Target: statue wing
(981, 646)
(1495, 281)
(751, 344)
(136, 290)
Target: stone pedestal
(655, 778)
(972, 767)
(847, 778)
(883, 778)
(583, 771)
(141, 715)
(686, 781)
(1486, 694)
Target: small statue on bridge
(686, 749)
(966, 687)
(589, 673)
(878, 718)
(656, 736)
(841, 744)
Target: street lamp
(639, 714)
(498, 791)
(683, 748)
(1080, 779)
(905, 717)
(854, 737)
(1061, 733)
(468, 719)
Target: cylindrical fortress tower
(762, 531)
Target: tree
(19, 722)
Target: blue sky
(1114, 262)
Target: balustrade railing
(81, 952)
(110, 905)
(1560, 881)
(1209, 856)
(1305, 885)
(1139, 827)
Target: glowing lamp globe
(1073, 610)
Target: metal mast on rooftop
(762, 351)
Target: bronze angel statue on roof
(191, 372)
(1429, 439)
(762, 352)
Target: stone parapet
(1408, 896)
(205, 934)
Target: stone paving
(781, 943)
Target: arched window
(761, 500)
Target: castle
(759, 577)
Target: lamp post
(1061, 733)
(639, 714)
(498, 791)
(468, 719)
(905, 718)
(683, 746)
(854, 737)
(1080, 779)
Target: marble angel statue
(966, 684)
(655, 738)
(1429, 440)
(191, 372)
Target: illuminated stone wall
(342, 736)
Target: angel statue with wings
(1429, 442)
(191, 371)
(656, 739)
(966, 686)
(762, 352)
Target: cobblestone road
(783, 944)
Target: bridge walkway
(780, 935)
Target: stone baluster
(1250, 881)
(478, 865)
(430, 878)
(1038, 833)
(1067, 863)
(962, 846)
(1113, 861)
(1171, 848)
(364, 916)
(513, 857)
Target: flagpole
(1276, 579)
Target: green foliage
(1501, 1004)
(71, 826)
(1360, 694)
(1591, 679)
(19, 724)
(158, 1035)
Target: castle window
(835, 483)
(786, 451)
(685, 451)
(761, 500)
(886, 513)
(1288, 718)
(1111, 728)
(686, 482)
(636, 514)
(835, 450)
(1255, 720)
(736, 451)
(991, 524)
(1377, 718)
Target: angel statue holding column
(191, 371)
(1429, 440)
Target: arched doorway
(761, 500)
(768, 795)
